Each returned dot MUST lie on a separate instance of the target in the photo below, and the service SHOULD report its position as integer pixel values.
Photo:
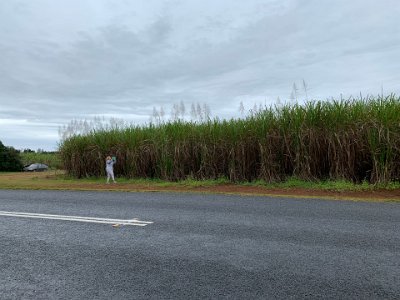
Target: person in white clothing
(110, 168)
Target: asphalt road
(199, 247)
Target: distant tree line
(13, 160)
(27, 150)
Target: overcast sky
(75, 59)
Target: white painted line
(133, 222)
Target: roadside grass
(328, 185)
(344, 190)
(189, 182)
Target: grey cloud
(118, 61)
(256, 49)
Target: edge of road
(303, 194)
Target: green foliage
(52, 159)
(354, 140)
(9, 159)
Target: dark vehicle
(36, 167)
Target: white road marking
(134, 222)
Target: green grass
(53, 160)
(190, 182)
(331, 185)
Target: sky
(71, 60)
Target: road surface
(68, 245)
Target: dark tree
(10, 159)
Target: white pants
(110, 174)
